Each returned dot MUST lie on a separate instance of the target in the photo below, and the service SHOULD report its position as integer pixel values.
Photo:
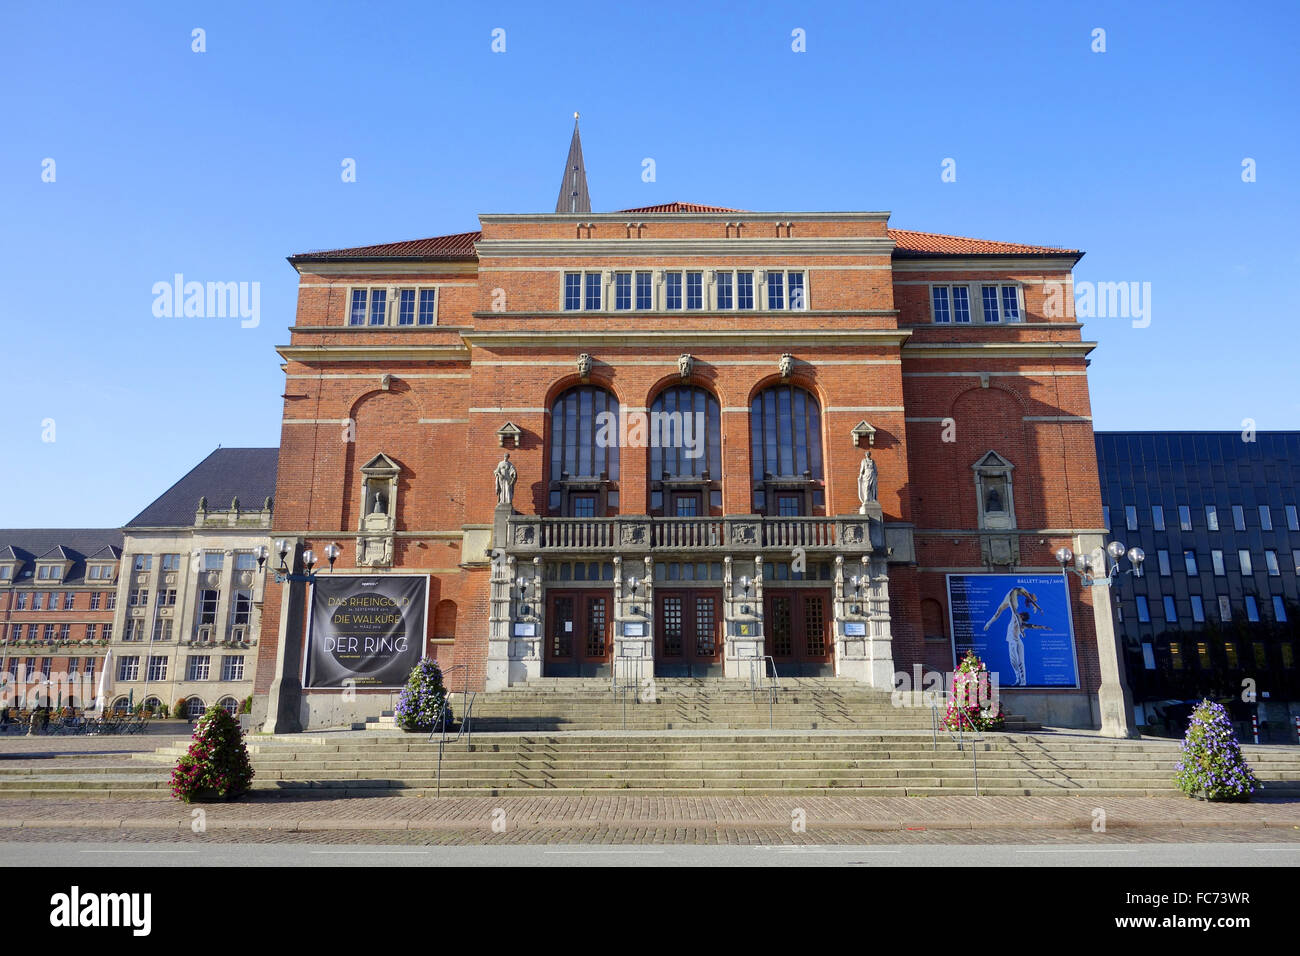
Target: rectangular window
(1225, 608)
(144, 562)
(990, 303)
(1216, 558)
(960, 304)
(1288, 655)
(776, 290)
(38, 600)
(1171, 612)
(1184, 518)
(108, 633)
(1238, 518)
(744, 290)
(1243, 557)
(110, 600)
(672, 290)
(162, 629)
(128, 668)
(1158, 517)
(939, 301)
(1176, 655)
(591, 294)
(245, 561)
(788, 506)
(644, 291)
(572, 291)
(74, 665)
(138, 597)
(725, 295)
(1211, 518)
(197, 667)
(405, 306)
(1279, 609)
(1270, 562)
(1010, 303)
(1144, 612)
(1230, 652)
(1265, 518)
(378, 306)
(232, 667)
(1292, 518)
(1203, 654)
(208, 606)
(134, 629)
(68, 598)
(1295, 560)
(428, 307)
(1130, 517)
(242, 608)
(622, 290)
(90, 632)
(1105, 518)
(49, 633)
(65, 632)
(1252, 608)
(798, 296)
(213, 560)
(1163, 557)
(1198, 609)
(357, 315)
(21, 604)
(157, 668)
(695, 290)
(171, 562)
(584, 506)
(1189, 562)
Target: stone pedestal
(1114, 698)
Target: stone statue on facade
(685, 365)
(866, 483)
(584, 366)
(504, 476)
(785, 365)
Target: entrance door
(578, 641)
(689, 632)
(796, 624)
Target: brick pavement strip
(659, 814)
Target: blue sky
(219, 164)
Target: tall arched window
(584, 453)
(786, 451)
(685, 452)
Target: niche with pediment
(379, 478)
(993, 492)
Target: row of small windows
(1291, 515)
(29, 670)
(1176, 655)
(49, 633)
(1170, 608)
(1244, 562)
(210, 561)
(996, 303)
(197, 667)
(402, 307)
(685, 290)
(65, 601)
(53, 573)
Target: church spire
(573, 188)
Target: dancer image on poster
(1017, 626)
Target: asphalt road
(244, 854)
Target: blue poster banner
(1018, 624)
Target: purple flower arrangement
(424, 698)
(217, 762)
(1211, 765)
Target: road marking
(138, 851)
(855, 852)
(1276, 849)
(595, 852)
(369, 852)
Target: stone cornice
(731, 215)
(372, 353)
(675, 338)
(994, 349)
(946, 262)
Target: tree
(423, 700)
(1211, 764)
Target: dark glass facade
(1218, 605)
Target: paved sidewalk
(540, 813)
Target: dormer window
(49, 572)
(6, 572)
(100, 572)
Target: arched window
(584, 453)
(786, 451)
(685, 452)
(194, 708)
(229, 705)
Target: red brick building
(788, 345)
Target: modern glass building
(1216, 610)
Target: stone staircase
(714, 763)
(564, 704)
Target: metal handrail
(962, 719)
(466, 723)
(620, 688)
(772, 686)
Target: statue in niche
(380, 506)
(993, 501)
(504, 476)
(866, 482)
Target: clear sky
(218, 164)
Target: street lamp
(1089, 571)
(283, 574)
(260, 553)
(857, 594)
(332, 552)
(744, 587)
(522, 583)
(633, 584)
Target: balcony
(735, 533)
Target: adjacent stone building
(685, 440)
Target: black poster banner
(366, 629)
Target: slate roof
(71, 544)
(246, 473)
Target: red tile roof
(681, 207)
(908, 243)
